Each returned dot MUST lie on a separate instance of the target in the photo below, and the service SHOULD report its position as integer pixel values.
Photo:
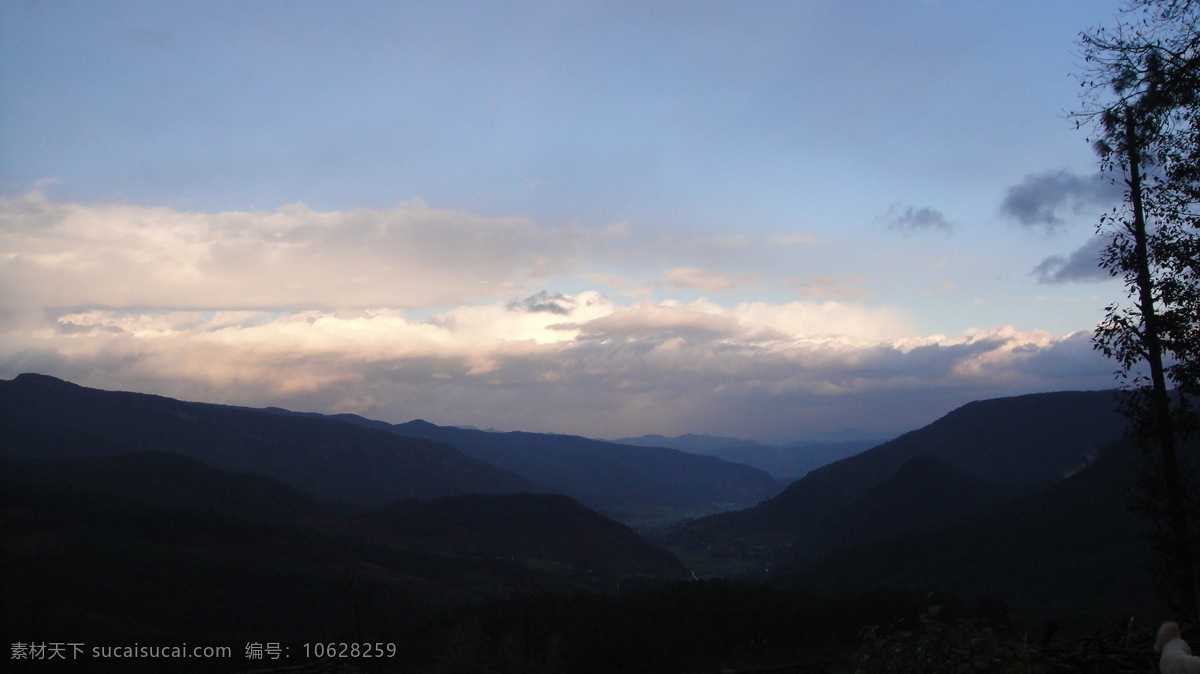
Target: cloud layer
(411, 255)
(340, 312)
(588, 367)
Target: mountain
(1012, 445)
(502, 526)
(688, 442)
(601, 474)
(170, 480)
(154, 548)
(349, 458)
(1073, 553)
(106, 569)
(923, 493)
(785, 464)
(44, 417)
(547, 527)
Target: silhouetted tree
(1142, 93)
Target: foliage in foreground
(934, 646)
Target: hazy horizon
(768, 221)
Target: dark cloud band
(1082, 265)
(1049, 199)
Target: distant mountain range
(605, 475)
(349, 458)
(44, 417)
(786, 464)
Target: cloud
(543, 318)
(761, 370)
(710, 280)
(913, 219)
(663, 321)
(543, 302)
(1082, 265)
(119, 255)
(421, 312)
(1045, 199)
(827, 322)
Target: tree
(1142, 84)
(934, 645)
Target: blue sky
(764, 219)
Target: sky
(766, 220)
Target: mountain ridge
(599, 473)
(784, 463)
(46, 417)
(1068, 553)
(582, 466)
(1017, 444)
(351, 458)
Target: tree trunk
(1160, 401)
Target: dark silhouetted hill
(548, 527)
(83, 566)
(156, 548)
(1073, 553)
(1012, 444)
(173, 481)
(925, 492)
(44, 417)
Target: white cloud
(662, 321)
(824, 321)
(120, 255)
(527, 320)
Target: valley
(119, 509)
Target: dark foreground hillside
(546, 527)
(1073, 554)
(95, 551)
